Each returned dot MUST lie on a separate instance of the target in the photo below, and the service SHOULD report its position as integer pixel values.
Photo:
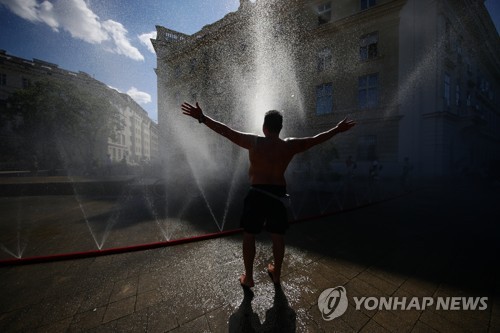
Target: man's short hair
(273, 121)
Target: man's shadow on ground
(279, 318)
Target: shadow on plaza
(279, 318)
(446, 233)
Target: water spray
(150, 246)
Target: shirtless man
(269, 158)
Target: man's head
(273, 121)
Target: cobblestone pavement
(432, 244)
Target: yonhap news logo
(333, 303)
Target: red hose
(114, 250)
(141, 247)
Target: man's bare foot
(270, 271)
(246, 282)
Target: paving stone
(419, 288)
(494, 329)
(188, 308)
(305, 322)
(383, 285)
(55, 327)
(148, 299)
(218, 319)
(397, 320)
(134, 322)
(495, 311)
(333, 277)
(148, 281)
(335, 325)
(373, 327)
(86, 320)
(124, 289)
(420, 327)
(119, 309)
(96, 297)
(20, 296)
(23, 319)
(356, 319)
(199, 324)
(439, 323)
(304, 291)
(161, 317)
(319, 282)
(343, 267)
(60, 308)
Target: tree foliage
(63, 125)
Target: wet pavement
(436, 242)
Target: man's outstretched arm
(244, 140)
(302, 144)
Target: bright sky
(109, 39)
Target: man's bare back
(269, 158)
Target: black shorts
(261, 209)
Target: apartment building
(137, 142)
(420, 77)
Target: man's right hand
(193, 111)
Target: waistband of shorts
(277, 190)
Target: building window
(457, 95)
(365, 4)
(3, 79)
(26, 83)
(324, 98)
(368, 91)
(324, 59)
(367, 148)
(324, 12)
(447, 89)
(368, 46)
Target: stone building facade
(136, 142)
(420, 77)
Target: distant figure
(269, 158)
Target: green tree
(63, 125)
